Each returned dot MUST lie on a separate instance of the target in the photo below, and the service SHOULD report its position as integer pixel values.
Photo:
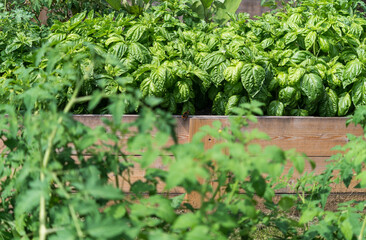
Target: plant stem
(360, 237)
(233, 191)
(42, 205)
(71, 207)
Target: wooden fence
(314, 136)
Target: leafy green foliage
(61, 179)
(60, 10)
(309, 57)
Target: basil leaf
(335, 76)
(234, 89)
(276, 108)
(344, 103)
(219, 104)
(353, 69)
(232, 73)
(290, 37)
(212, 59)
(312, 86)
(289, 96)
(182, 91)
(217, 73)
(231, 103)
(135, 32)
(294, 75)
(147, 87)
(252, 78)
(267, 43)
(139, 52)
(300, 56)
(310, 39)
(359, 92)
(299, 112)
(328, 106)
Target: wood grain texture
(182, 126)
(314, 136)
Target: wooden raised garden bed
(314, 136)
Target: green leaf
(310, 39)
(259, 184)
(206, 3)
(188, 107)
(212, 59)
(308, 215)
(299, 112)
(276, 108)
(147, 87)
(217, 74)
(323, 43)
(185, 221)
(347, 229)
(29, 199)
(182, 91)
(177, 201)
(12, 47)
(136, 32)
(105, 192)
(114, 39)
(353, 69)
(328, 106)
(234, 89)
(78, 18)
(224, 9)
(287, 202)
(266, 43)
(231, 104)
(289, 96)
(344, 103)
(219, 104)
(356, 30)
(198, 233)
(312, 86)
(55, 38)
(252, 78)
(359, 92)
(96, 97)
(233, 72)
(335, 78)
(139, 52)
(301, 56)
(115, 4)
(162, 77)
(107, 228)
(295, 75)
(290, 37)
(156, 206)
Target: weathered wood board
(314, 136)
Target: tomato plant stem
(360, 237)
(46, 157)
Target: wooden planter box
(314, 136)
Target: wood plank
(92, 121)
(314, 136)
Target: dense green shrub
(307, 59)
(58, 176)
